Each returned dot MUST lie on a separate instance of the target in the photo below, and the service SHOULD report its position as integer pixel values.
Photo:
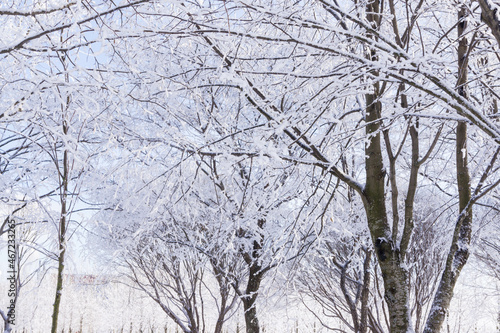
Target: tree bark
(62, 229)
(62, 247)
(365, 293)
(249, 299)
(394, 274)
(459, 251)
(255, 276)
(7, 328)
(488, 15)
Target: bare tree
(185, 285)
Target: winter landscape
(220, 166)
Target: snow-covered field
(105, 304)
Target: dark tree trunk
(255, 276)
(249, 299)
(394, 274)
(459, 251)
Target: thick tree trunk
(489, 16)
(254, 279)
(395, 276)
(251, 320)
(255, 276)
(459, 251)
(219, 324)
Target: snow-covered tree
(239, 125)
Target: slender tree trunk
(459, 251)
(62, 233)
(350, 303)
(224, 291)
(365, 293)
(62, 248)
(6, 326)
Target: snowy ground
(103, 304)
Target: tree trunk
(224, 291)
(459, 251)
(489, 16)
(394, 275)
(255, 276)
(254, 279)
(62, 234)
(7, 328)
(59, 287)
(365, 293)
